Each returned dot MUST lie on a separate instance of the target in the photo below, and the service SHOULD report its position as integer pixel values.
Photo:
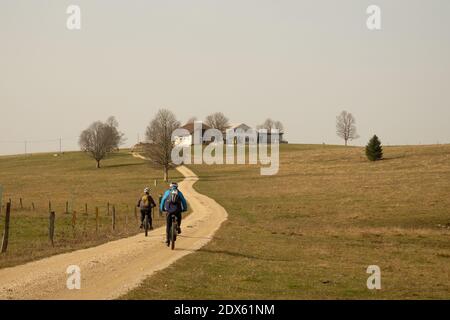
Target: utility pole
(25, 142)
(60, 145)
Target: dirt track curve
(112, 269)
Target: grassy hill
(312, 230)
(72, 178)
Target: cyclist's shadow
(233, 254)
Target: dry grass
(312, 230)
(71, 177)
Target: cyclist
(173, 202)
(146, 203)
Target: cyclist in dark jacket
(146, 203)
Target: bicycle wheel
(146, 225)
(173, 234)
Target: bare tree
(346, 126)
(270, 124)
(159, 134)
(217, 121)
(101, 138)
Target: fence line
(119, 216)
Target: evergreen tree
(374, 151)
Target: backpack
(145, 201)
(173, 202)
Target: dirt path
(112, 269)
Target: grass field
(312, 230)
(71, 177)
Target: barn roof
(237, 125)
(190, 127)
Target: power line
(28, 143)
(39, 141)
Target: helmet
(146, 190)
(173, 185)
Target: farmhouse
(271, 136)
(239, 127)
(187, 139)
(246, 132)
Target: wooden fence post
(49, 206)
(108, 208)
(85, 209)
(85, 222)
(96, 219)
(21, 203)
(67, 207)
(51, 228)
(6, 230)
(1, 198)
(32, 206)
(74, 219)
(126, 222)
(114, 217)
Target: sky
(299, 62)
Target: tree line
(103, 138)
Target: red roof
(190, 127)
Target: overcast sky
(300, 62)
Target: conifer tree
(374, 150)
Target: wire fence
(68, 221)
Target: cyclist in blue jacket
(173, 202)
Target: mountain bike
(173, 232)
(146, 224)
